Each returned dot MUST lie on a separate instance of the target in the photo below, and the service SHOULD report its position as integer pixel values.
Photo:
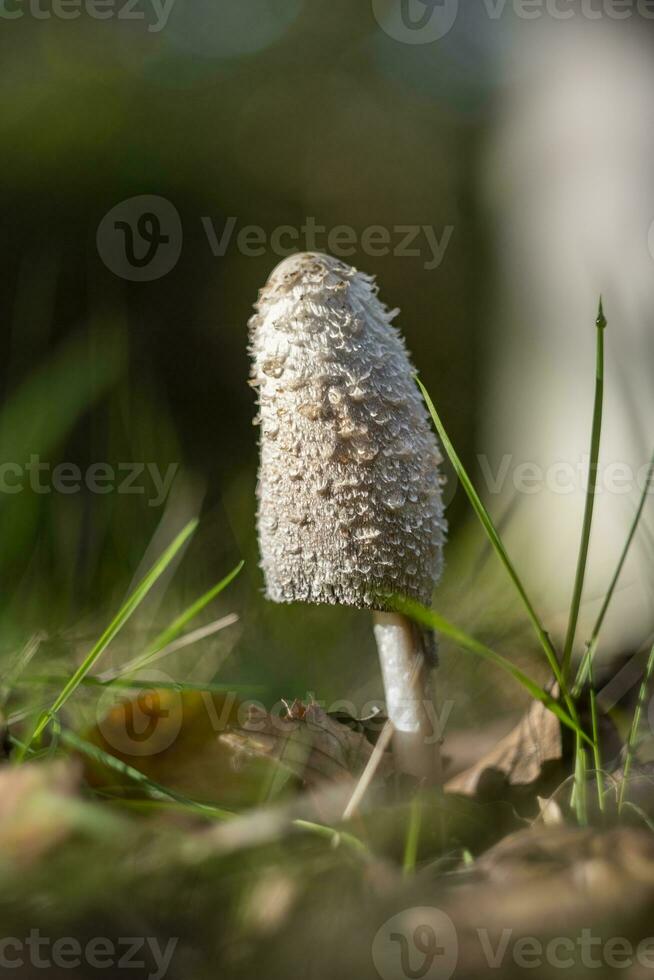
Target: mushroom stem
(407, 683)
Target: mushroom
(349, 494)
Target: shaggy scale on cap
(349, 493)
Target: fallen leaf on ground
(518, 759)
(307, 743)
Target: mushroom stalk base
(409, 701)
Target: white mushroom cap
(350, 507)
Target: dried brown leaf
(519, 758)
(307, 742)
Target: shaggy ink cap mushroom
(350, 507)
(349, 493)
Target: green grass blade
(647, 820)
(173, 631)
(595, 439)
(493, 536)
(333, 835)
(149, 786)
(578, 800)
(19, 665)
(597, 757)
(413, 836)
(635, 727)
(141, 683)
(591, 646)
(151, 806)
(117, 623)
(432, 619)
(597, 754)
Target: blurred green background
(271, 112)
